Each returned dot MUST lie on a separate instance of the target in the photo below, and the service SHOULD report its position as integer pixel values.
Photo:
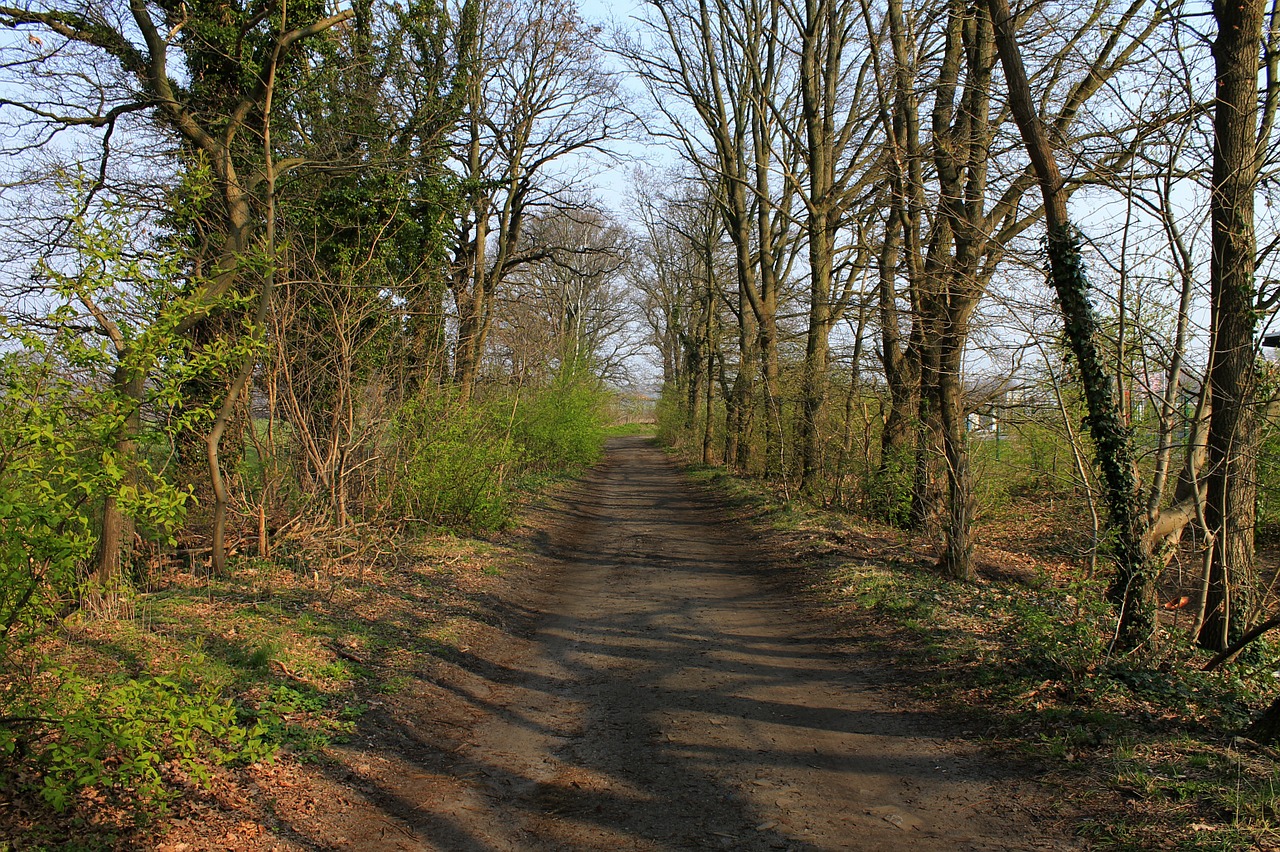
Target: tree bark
(1230, 508)
(902, 378)
(1132, 590)
(708, 425)
(957, 554)
(901, 360)
(115, 539)
(744, 453)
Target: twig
(347, 655)
(27, 720)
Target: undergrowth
(467, 466)
(126, 742)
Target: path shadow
(683, 644)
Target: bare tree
(839, 146)
(684, 268)
(725, 62)
(1135, 576)
(570, 308)
(542, 96)
(978, 212)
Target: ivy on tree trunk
(1132, 591)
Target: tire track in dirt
(668, 699)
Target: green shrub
(1032, 458)
(1057, 638)
(460, 465)
(670, 414)
(889, 497)
(562, 427)
(455, 464)
(58, 463)
(119, 739)
(296, 718)
(45, 526)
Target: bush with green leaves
(460, 465)
(47, 477)
(562, 427)
(455, 463)
(128, 740)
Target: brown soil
(649, 687)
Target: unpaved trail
(668, 699)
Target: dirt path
(667, 699)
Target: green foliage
(889, 495)
(672, 416)
(47, 473)
(1269, 481)
(127, 740)
(225, 48)
(891, 591)
(72, 428)
(562, 427)
(1030, 461)
(280, 714)
(456, 461)
(1057, 636)
(461, 465)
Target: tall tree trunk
(245, 373)
(846, 437)
(469, 279)
(744, 455)
(738, 399)
(708, 426)
(902, 377)
(957, 552)
(426, 339)
(902, 239)
(942, 270)
(466, 357)
(471, 299)
(771, 387)
(926, 491)
(1230, 509)
(1132, 590)
(693, 391)
(813, 400)
(115, 539)
(820, 230)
